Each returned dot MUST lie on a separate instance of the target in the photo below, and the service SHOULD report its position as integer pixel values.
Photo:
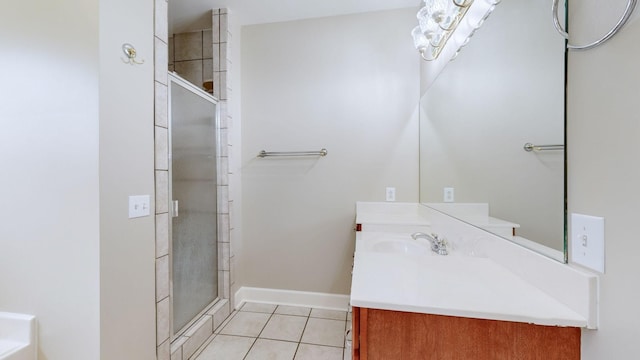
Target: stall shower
(193, 168)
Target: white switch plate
(391, 194)
(448, 194)
(139, 206)
(587, 241)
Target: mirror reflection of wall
(505, 89)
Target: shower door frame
(175, 78)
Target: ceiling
(187, 15)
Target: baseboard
(291, 297)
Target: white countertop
(453, 285)
(488, 221)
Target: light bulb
(423, 14)
(420, 41)
(444, 12)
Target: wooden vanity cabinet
(395, 335)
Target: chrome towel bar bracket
(322, 152)
(530, 147)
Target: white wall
(127, 246)
(349, 84)
(603, 173)
(76, 139)
(49, 238)
(506, 88)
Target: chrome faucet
(438, 245)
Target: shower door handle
(174, 208)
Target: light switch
(587, 241)
(139, 206)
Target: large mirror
(505, 89)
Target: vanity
(505, 290)
(384, 334)
(487, 299)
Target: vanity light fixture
(438, 20)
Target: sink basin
(391, 243)
(400, 246)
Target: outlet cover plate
(448, 195)
(390, 194)
(587, 241)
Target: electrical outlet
(587, 241)
(139, 206)
(448, 194)
(391, 194)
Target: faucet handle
(443, 246)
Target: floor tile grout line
(260, 333)
(296, 342)
(265, 324)
(271, 316)
(303, 329)
(302, 335)
(256, 312)
(293, 306)
(250, 347)
(296, 352)
(280, 340)
(323, 345)
(226, 321)
(202, 347)
(291, 315)
(339, 347)
(240, 336)
(346, 315)
(283, 315)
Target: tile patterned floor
(279, 332)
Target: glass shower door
(193, 201)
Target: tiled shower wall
(191, 56)
(163, 307)
(202, 55)
(185, 345)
